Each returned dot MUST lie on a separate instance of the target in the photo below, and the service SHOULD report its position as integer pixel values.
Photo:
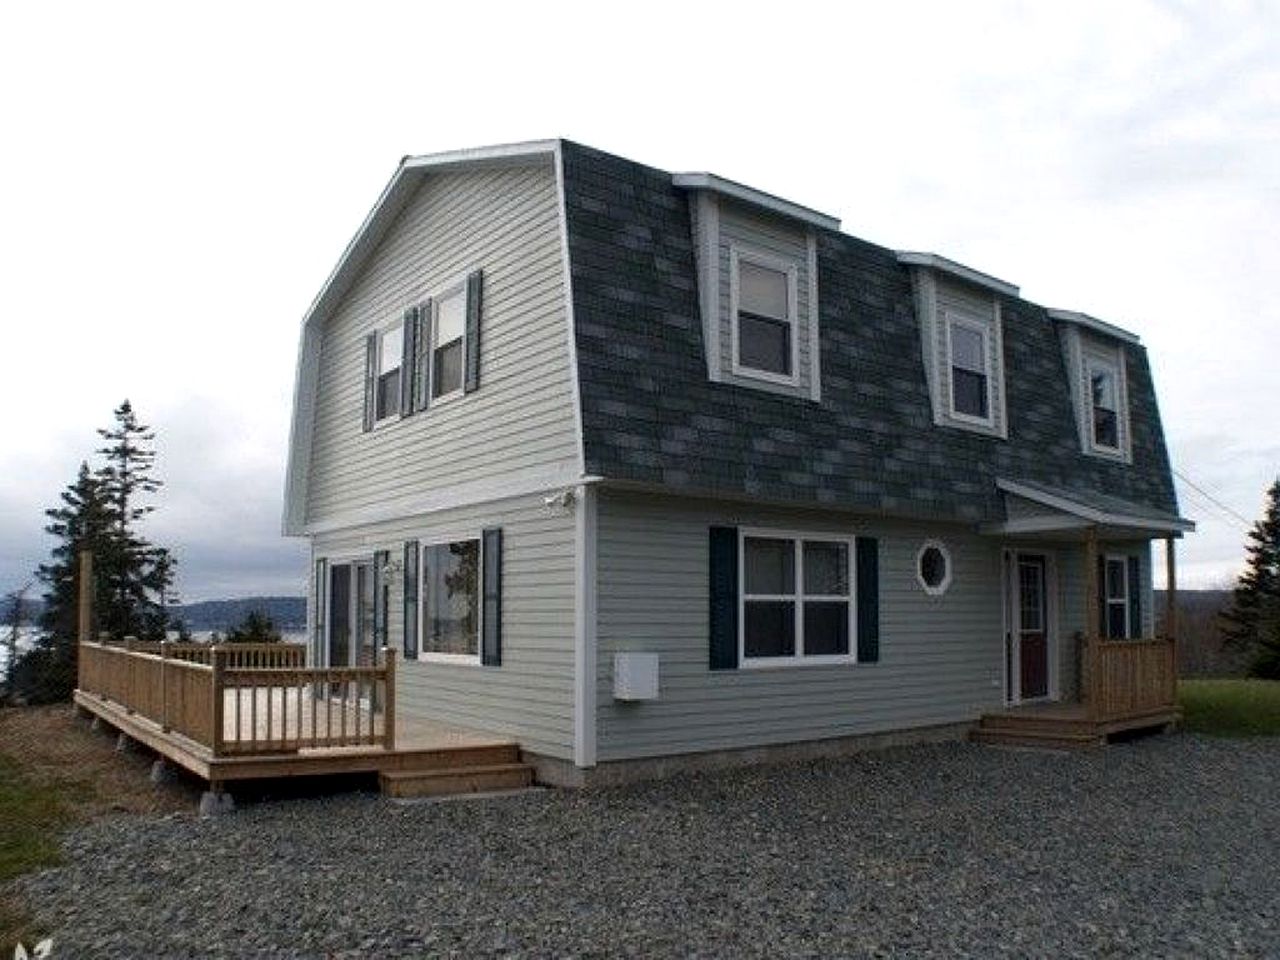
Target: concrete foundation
(216, 803)
(562, 773)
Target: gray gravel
(1161, 847)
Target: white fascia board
(757, 198)
(1100, 517)
(1094, 324)
(476, 155)
(941, 264)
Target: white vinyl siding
(940, 657)
(521, 421)
(530, 696)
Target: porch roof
(1033, 508)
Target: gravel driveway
(1162, 847)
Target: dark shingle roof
(651, 416)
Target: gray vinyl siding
(777, 238)
(530, 696)
(504, 221)
(940, 658)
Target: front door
(1031, 626)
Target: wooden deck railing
(246, 700)
(1130, 677)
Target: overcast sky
(178, 180)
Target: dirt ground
(54, 750)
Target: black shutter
(422, 357)
(370, 380)
(723, 584)
(321, 597)
(1104, 618)
(491, 594)
(411, 600)
(868, 552)
(1135, 599)
(408, 369)
(475, 288)
(380, 560)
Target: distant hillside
(288, 613)
(1200, 649)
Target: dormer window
(763, 308)
(390, 360)
(970, 357)
(1104, 398)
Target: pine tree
(136, 577)
(47, 672)
(1253, 622)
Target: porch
(1128, 676)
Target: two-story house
(646, 470)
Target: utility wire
(1248, 524)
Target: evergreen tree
(47, 672)
(137, 577)
(1253, 622)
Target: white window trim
(737, 253)
(378, 371)
(1123, 560)
(455, 287)
(1122, 428)
(798, 659)
(984, 329)
(459, 659)
(945, 585)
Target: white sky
(178, 179)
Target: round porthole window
(933, 568)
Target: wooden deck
(1066, 726)
(227, 714)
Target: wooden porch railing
(1131, 677)
(245, 699)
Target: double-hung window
(390, 361)
(797, 600)
(1117, 593)
(448, 343)
(451, 599)
(1104, 404)
(763, 294)
(970, 359)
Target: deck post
(164, 685)
(84, 611)
(389, 705)
(1091, 686)
(217, 660)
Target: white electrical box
(635, 676)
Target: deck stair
(458, 770)
(1062, 726)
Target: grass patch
(1231, 708)
(33, 815)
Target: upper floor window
(969, 352)
(763, 298)
(390, 361)
(1104, 401)
(447, 343)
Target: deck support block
(216, 802)
(97, 726)
(124, 743)
(163, 772)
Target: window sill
(764, 376)
(796, 663)
(457, 659)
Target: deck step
(455, 780)
(1043, 739)
(423, 759)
